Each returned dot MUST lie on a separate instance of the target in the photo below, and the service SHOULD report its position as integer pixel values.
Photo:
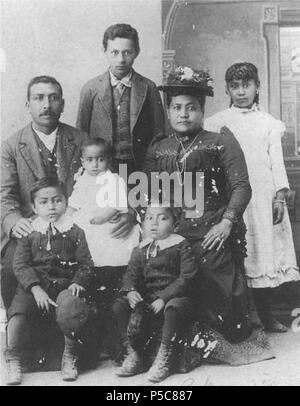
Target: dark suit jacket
(95, 115)
(34, 265)
(21, 166)
(168, 275)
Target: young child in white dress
(271, 257)
(98, 196)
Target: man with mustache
(45, 147)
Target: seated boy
(52, 265)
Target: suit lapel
(29, 150)
(105, 93)
(138, 95)
(66, 147)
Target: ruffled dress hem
(282, 275)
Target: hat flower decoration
(186, 77)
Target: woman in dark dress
(218, 234)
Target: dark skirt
(220, 288)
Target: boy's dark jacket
(69, 260)
(170, 274)
(95, 115)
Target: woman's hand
(217, 235)
(278, 211)
(278, 205)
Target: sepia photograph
(150, 195)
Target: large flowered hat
(183, 77)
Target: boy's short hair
(43, 183)
(108, 150)
(170, 207)
(242, 71)
(121, 31)
(43, 79)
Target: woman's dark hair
(43, 79)
(243, 71)
(108, 150)
(43, 183)
(121, 31)
(186, 91)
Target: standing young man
(121, 105)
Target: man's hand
(134, 298)
(76, 289)
(22, 228)
(124, 224)
(157, 305)
(278, 212)
(97, 221)
(42, 299)
(217, 235)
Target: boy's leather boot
(162, 364)
(69, 361)
(132, 365)
(13, 366)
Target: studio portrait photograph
(150, 195)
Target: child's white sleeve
(276, 156)
(112, 192)
(74, 200)
(122, 203)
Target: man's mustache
(47, 113)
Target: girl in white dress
(271, 257)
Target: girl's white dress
(271, 258)
(90, 195)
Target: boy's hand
(76, 289)
(42, 299)
(134, 298)
(157, 305)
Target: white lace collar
(255, 107)
(64, 223)
(168, 242)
